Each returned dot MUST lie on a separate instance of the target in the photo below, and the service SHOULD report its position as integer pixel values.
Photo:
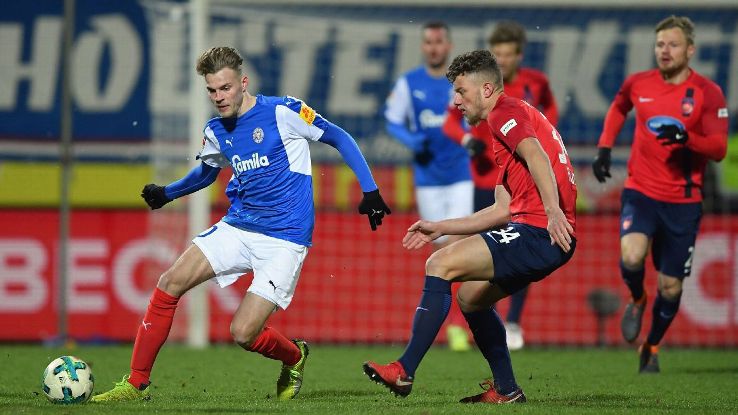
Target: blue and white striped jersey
(418, 101)
(271, 191)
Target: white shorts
(445, 202)
(276, 263)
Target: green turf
(225, 379)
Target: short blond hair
(681, 22)
(217, 58)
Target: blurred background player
(415, 113)
(507, 42)
(681, 123)
(525, 236)
(267, 229)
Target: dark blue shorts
(672, 228)
(523, 254)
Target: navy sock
(634, 280)
(429, 316)
(517, 301)
(664, 311)
(489, 334)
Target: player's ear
(244, 83)
(690, 51)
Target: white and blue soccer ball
(67, 380)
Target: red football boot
(391, 375)
(490, 395)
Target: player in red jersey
(526, 235)
(507, 43)
(681, 123)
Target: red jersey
(669, 173)
(511, 121)
(529, 85)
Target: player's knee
(243, 336)
(172, 284)
(440, 265)
(632, 259)
(671, 292)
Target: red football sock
(274, 345)
(151, 335)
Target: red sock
(151, 335)
(274, 345)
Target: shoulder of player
(533, 75)
(704, 83)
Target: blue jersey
(419, 102)
(271, 190)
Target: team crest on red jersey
(687, 106)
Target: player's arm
(539, 165)
(397, 112)
(713, 142)
(423, 232)
(614, 120)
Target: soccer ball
(68, 379)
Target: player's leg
(464, 260)
(672, 253)
(191, 269)
(637, 224)
(276, 264)
(514, 331)
(521, 255)
(458, 199)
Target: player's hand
(421, 233)
(559, 229)
(672, 134)
(424, 156)
(154, 196)
(374, 207)
(475, 147)
(601, 164)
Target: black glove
(374, 207)
(475, 147)
(154, 196)
(672, 134)
(424, 156)
(601, 164)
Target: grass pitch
(226, 380)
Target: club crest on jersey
(627, 221)
(687, 106)
(240, 166)
(258, 135)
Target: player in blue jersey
(415, 113)
(267, 230)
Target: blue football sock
(517, 301)
(489, 334)
(664, 311)
(634, 280)
(429, 316)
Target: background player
(268, 227)
(415, 113)
(681, 123)
(507, 42)
(527, 234)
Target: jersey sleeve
(713, 142)
(210, 153)
(397, 110)
(615, 117)
(453, 127)
(511, 125)
(300, 121)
